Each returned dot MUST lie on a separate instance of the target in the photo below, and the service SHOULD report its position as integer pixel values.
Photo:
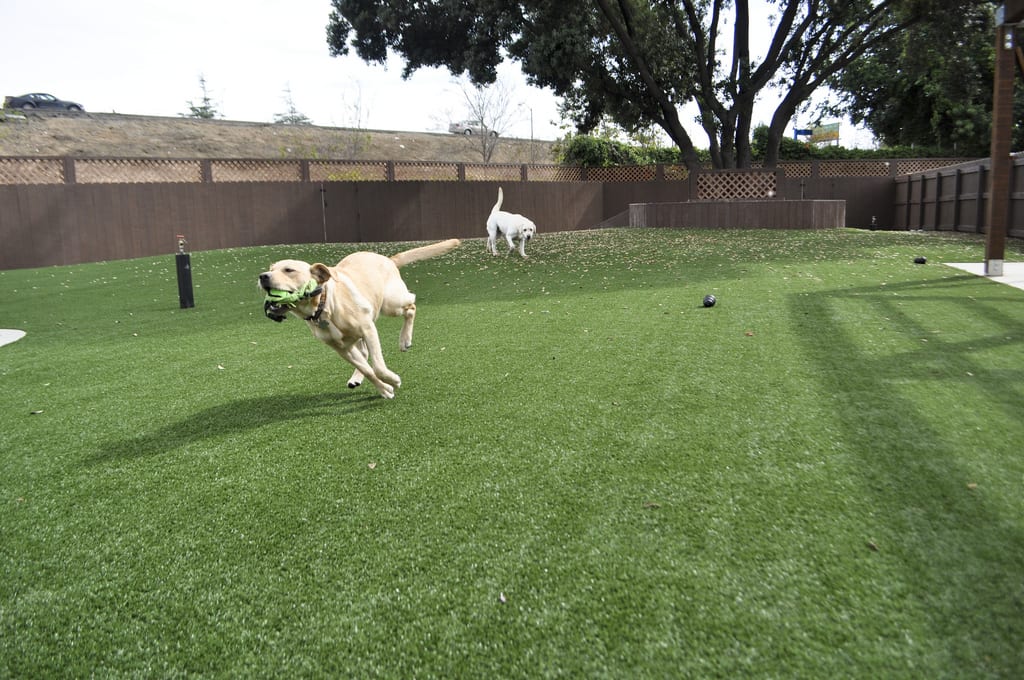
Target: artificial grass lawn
(584, 473)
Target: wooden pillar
(69, 171)
(1002, 130)
(980, 207)
(206, 171)
(957, 190)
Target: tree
(637, 61)
(206, 109)
(930, 87)
(292, 116)
(349, 142)
(492, 106)
(356, 138)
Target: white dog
(514, 227)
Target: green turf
(585, 473)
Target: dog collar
(319, 306)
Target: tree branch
(669, 115)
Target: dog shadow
(232, 418)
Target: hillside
(103, 135)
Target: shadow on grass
(956, 546)
(234, 417)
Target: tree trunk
(780, 119)
(686, 149)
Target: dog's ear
(320, 272)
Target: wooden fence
(70, 210)
(771, 213)
(955, 198)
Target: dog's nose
(264, 277)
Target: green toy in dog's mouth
(277, 301)
(288, 298)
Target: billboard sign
(828, 132)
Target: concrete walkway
(1013, 272)
(8, 336)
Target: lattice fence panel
(348, 171)
(31, 171)
(795, 168)
(136, 171)
(553, 173)
(728, 185)
(853, 169)
(477, 172)
(426, 172)
(255, 171)
(622, 173)
(908, 167)
(676, 173)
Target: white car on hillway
(471, 127)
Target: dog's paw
(389, 378)
(387, 391)
(352, 384)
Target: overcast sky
(146, 57)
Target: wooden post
(69, 170)
(922, 180)
(957, 190)
(206, 171)
(980, 205)
(1002, 130)
(908, 206)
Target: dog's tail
(425, 252)
(497, 206)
